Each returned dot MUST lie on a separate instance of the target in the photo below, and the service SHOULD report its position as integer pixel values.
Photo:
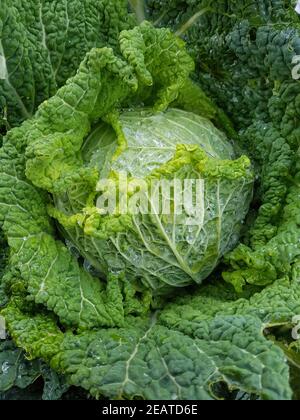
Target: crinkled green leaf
(3, 263)
(54, 385)
(58, 282)
(212, 333)
(15, 370)
(18, 373)
(275, 305)
(180, 359)
(43, 42)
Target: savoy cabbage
(101, 301)
(156, 251)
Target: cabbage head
(170, 199)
